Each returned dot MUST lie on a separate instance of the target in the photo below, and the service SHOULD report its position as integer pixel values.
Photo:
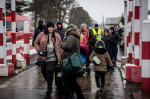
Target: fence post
(26, 42)
(13, 25)
(137, 30)
(129, 45)
(2, 33)
(146, 56)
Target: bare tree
(51, 10)
(78, 16)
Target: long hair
(47, 32)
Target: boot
(49, 90)
(97, 84)
(102, 88)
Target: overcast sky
(108, 8)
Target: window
(20, 25)
(8, 25)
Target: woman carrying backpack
(70, 46)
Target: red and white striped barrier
(26, 42)
(133, 73)
(13, 19)
(137, 30)
(6, 70)
(2, 32)
(146, 56)
(124, 60)
(19, 50)
(129, 49)
(1, 36)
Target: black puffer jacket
(107, 40)
(115, 38)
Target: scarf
(100, 50)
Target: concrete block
(133, 73)
(6, 69)
(124, 60)
(21, 63)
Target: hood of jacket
(61, 25)
(96, 45)
(72, 31)
(100, 50)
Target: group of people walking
(54, 45)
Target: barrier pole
(26, 42)
(146, 56)
(137, 29)
(129, 49)
(13, 25)
(2, 32)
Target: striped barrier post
(2, 32)
(129, 44)
(144, 16)
(1, 35)
(26, 42)
(137, 29)
(13, 24)
(146, 56)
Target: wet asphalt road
(31, 85)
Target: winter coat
(107, 40)
(115, 38)
(92, 38)
(60, 31)
(41, 43)
(37, 31)
(103, 57)
(71, 44)
(91, 41)
(84, 36)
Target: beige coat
(104, 58)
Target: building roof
(113, 20)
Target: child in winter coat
(101, 67)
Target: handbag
(72, 64)
(42, 52)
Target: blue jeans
(71, 85)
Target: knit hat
(59, 23)
(50, 24)
(100, 44)
(96, 25)
(83, 25)
(106, 30)
(69, 27)
(40, 22)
